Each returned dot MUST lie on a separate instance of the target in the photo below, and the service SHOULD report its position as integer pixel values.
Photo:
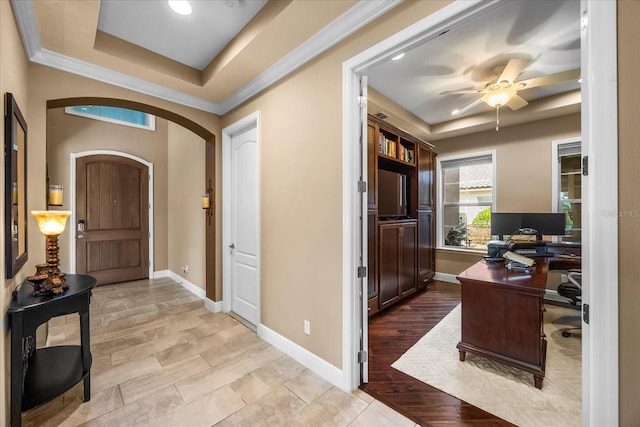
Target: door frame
(599, 115)
(252, 120)
(72, 188)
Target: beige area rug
(500, 389)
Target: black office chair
(573, 291)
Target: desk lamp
(48, 278)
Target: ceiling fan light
(180, 6)
(500, 97)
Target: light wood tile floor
(161, 359)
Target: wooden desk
(502, 314)
(38, 376)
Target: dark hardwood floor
(391, 334)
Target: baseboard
(303, 356)
(213, 306)
(160, 274)
(445, 277)
(194, 289)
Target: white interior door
(243, 224)
(364, 256)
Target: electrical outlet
(185, 269)
(307, 327)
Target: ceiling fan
(504, 89)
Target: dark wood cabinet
(426, 248)
(397, 259)
(401, 247)
(426, 174)
(372, 274)
(372, 169)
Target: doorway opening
(599, 119)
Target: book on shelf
(392, 148)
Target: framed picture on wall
(15, 186)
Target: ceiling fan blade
(468, 107)
(516, 102)
(513, 69)
(461, 92)
(551, 79)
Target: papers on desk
(521, 259)
(518, 262)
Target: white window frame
(440, 195)
(151, 119)
(555, 174)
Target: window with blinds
(466, 188)
(116, 115)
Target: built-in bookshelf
(393, 147)
(401, 248)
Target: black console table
(38, 376)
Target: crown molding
(116, 78)
(27, 25)
(351, 21)
(340, 28)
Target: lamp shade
(51, 223)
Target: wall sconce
(48, 278)
(55, 195)
(207, 201)
(14, 193)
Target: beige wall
(455, 262)
(523, 170)
(13, 78)
(301, 190)
(186, 218)
(629, 208)
(68, 134)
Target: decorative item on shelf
(55, 195)
(207, 201)
(48, 278)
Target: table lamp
(48, 278)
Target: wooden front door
(112, 229)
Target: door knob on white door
(232, 246)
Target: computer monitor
(505, 223)
(550, 224)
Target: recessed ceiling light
(455, 112)
(180, 6)
(397, 57)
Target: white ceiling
(193, 40)
(545, 32)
